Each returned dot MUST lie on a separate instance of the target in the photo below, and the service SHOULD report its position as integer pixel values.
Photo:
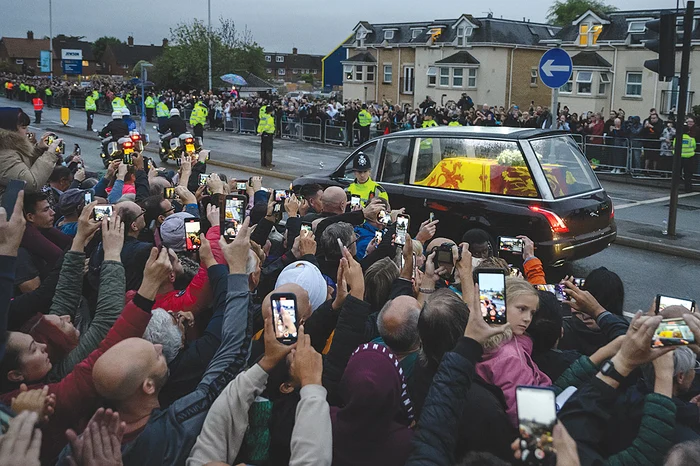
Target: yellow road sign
(65, 115)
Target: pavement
(641, 206)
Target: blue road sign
(555, 68)
(45, 61)
(72, 66)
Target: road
(644, 273)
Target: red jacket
(38, 104)
(76, 397)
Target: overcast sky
(312, 26)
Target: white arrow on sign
(548, 68)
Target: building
(22, 55)
(120, 59)
(608, 55)
(290, 67)
(90, 66)
(256, 86)
(332, 68)
(494, 61)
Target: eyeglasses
(171, 209)
(143, 212)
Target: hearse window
(477, 165)
(396, 160)
(568, 172)
(370, 151)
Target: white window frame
(445, 77)
(281, 72)
(603, 82)
(461, 41)
(415, 33)
(632, 30)
(584, 77)
(268, 70)
(268, 58)
(295, 71)
(472, 76)
(359, 73)
(348, 70)
(432, 75)
(389, 34)
(279, 59)
(569, 83)
(388, 71)
(38, 62)
(628, 83)
(314, 72)
(370, 71)
(534, 76)
(456, 76)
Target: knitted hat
(172, 231)
(307, 276)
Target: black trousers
(688, 168)
(364, 134)
(149, 114)
(90, 118)
(37, 116)
(266, 140)
(198, 130)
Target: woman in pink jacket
(507, 360)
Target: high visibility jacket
(199, 114)
(688, 146)
(162, 110)
(95, 95)
(48, 92)
(267, 124)
(118, 104)
(428, 123)
(129, 99)
(31, 90)
(262, 111)
(427, 143)
(150, 102)
(23, 87)
(453, 123)
(38, 104)
(364, 118)
(9, 85)
(90, 103)
(367, 191)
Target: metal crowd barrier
(247, 126)
(336, 133)
(311, 132)
(290, 128)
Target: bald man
(398, 326)
(334, 200)
(131, 374)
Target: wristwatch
(608, 370)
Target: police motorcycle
(173, 148)
(122, 149)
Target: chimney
(130, 41)
(294, 51)
(165, 42)
(30, 35)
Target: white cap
(116, 114)
(174, 112)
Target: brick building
(22, 54)
(289, 67)
(122, 58)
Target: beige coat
(19, 160)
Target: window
(588, 33)
(457, 77)
(370, 151)
(38, 63)
(360, 37)
(396, 160)
(125, 67)
(461, 39)
(566, 170)
(281, 72)
(359, 76)
(604, 82)
(633, 86)
(636, 27)
(415, 33)
(471, 78)
(583, 82)
(295, 71)
(314, 72)
(387, 74)
(501, 162)
(347, 70)
(279, 59)
(268, 58)
(533, 77)
(432, 74)
(370, 73)
(388, 35)
(268, 70)
(569, 86)
(19, 61)
(85, 63)
(444, 76)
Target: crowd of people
(124, 341)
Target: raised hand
(38, 401)
(157, 271)
(21, 444)
(213, 214)
(427, 230)
(87, 226)
(100, 442)
(112, 237)
(354, 275)
(307, 243)
(275, 351)
(236, 252)
(307, 364)
(477, 328)
(11, 231)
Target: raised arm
(10, 237)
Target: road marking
(654, 201)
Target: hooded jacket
(19, 160)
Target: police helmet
(174, 112)
(126, 112)
(116, 114)
(361, 162)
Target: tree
(307, 78)
(65, 38)
(100, 45)
(563, 12)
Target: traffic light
(665, 46)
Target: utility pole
(209, 38)
(51, 38)
(682, 104)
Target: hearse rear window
(568, 172)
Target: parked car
(507, 181)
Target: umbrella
(234, 80)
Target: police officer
(115, 129)
(364, 119)
(90, 109)
(162, 113)
(130, 123)
(363, 185)
(118, 104)
(428, 120)
(199, 118)
(455, 121)
(49, 96)
(150, 104)
(266, 131)
(175, 124)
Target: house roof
(487, 30)
(301, 61)
(18, 47)
(460, 58)
(590, 59)
(126, 55)
(254, 82)
(364, 57)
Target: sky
(313, 26)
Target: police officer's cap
(361, 163)
(364, 106)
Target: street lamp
(51, 40)
(144, 78)
(209, 38)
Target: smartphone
(663, 301)
(510, 244)
(232, 215)
(514, 271)
(672, 332)
(384, 217)
(87, 197)
(193, 229)
(127, 159)
(203, 179)
(179, 162)
(169, 193)
(100, 211)
(432, 216)
(413, 273)
(492, 291)
(556, 290)
(241, 186)
(284, 315)
(307, 226)
(147, 163)
(354, 200)
(9, 198)
(537, 415)
(281, 195)
(378, 235)
(401, 228)
(579, 282)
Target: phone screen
(663, 302)
(354, 200)
(378, 236)
(383, 217)
(672, 332)
(169, 193)
(556, 290)
(203, 178)
(401, 229)
(492, 291)
(241, 186)
(432, 216)
(280, 195)
(307, 226)
(537, 414)
(192, 231)
(127, 159)
(99, 212)
(284, 314)
(510, 244)
(234, 215)
(9, 198)
(579, 282)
